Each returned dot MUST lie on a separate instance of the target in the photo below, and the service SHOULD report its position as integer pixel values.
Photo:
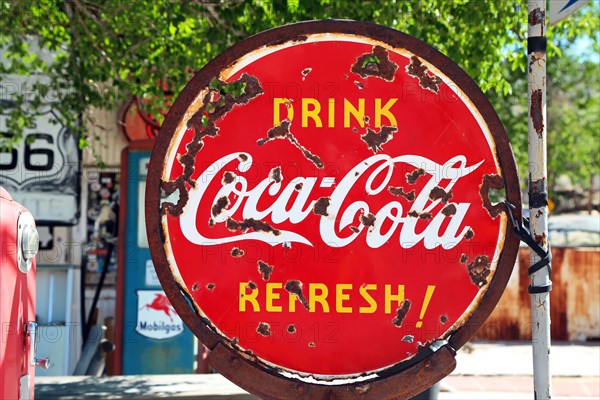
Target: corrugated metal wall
(574, 301)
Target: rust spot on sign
(367, 220)
(282, 131)
(169, 188)
(537, 116)
(194, 287)
(354, 229)
(295, 287)
(203, 122)
(220, 205)
(265, 269)
(311, 344)
(298, 186)
(408, 338)
(275, 174)
(443, 319)
(321, 205)
(250, 223)
(375, 140)
(228, 177)
(412, 177)
(399, 191)
(479, 270)
(236, 252)
(217, 105)
(492, 181)
(439, 193)
(376, 64)
(469, 234)
(401, 313)
(305, 72)
(415, 214)
(419, 71)
(423, 346)
(296, 39)
(449, 210)
(263, 329)
(463, 258)
(251, 285)
(359, 85)
(210, 286)
(291, 328)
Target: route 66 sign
(42, 172)
(319, 215)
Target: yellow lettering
(389, 297)
(271, 295)
(292, 302)
(331, 113)
(311, 113)
(340, 296)
(385, 111)
(314, 298)
(277, 102)
(358, 114)
(248, 297)
(364, 292)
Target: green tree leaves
(104, 50)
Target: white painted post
(538, 197)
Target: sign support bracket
(544, 255)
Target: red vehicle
(18, 246)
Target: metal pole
(538, 196)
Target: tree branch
(79, 6)
(95, 44)
(210, 7)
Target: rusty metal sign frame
(400, 381)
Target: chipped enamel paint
(246, 349)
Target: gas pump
(19, 243)
(150, 336)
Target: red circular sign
(325, 203)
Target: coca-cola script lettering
(334, 224)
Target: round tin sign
(319, 203)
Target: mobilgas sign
(320, 193)
(156, 317)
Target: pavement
(491, 371)
(504, 370)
